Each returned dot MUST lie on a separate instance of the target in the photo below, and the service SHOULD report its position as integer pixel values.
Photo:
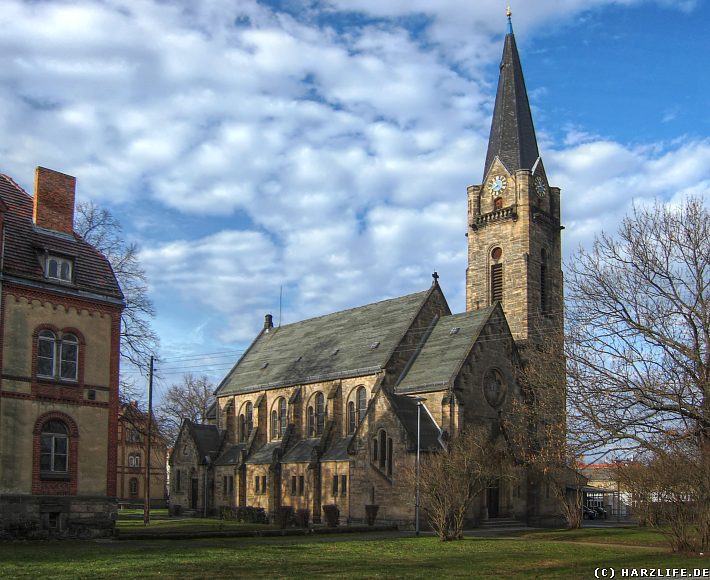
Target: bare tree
(665, 487)
(138, 339)
(450, 480)
(638, 344)
(189, 399)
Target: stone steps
(498, 523)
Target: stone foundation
(56, 516)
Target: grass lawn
(536, 555)
(631, 536)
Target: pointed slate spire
(512, 136)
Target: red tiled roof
(24, 245)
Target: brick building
(59, 359)
(323, 412)
(132, 455)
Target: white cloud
(341, 155)
(601, 179)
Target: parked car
(588, 513)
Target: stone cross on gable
(435, 276)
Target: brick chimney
(268, 322)
(54, 200)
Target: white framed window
(68, 357)
(54, 448)
(57, 356)
(58, 268)
(46, 345)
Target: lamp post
(419, 401)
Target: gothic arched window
(283, 417)
(320, 413)
(249, 412)
(274, 424)
(361, 404)
(352, 424)
(383, 449)
(310, 421)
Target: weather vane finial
(509, 13)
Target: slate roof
(338, 451)
(512, 136)
(301, 452)
(438, 362)
(332, 346)
(406, 410)
(231, 456)
(207, 438)
(25, 243)
(265, 455)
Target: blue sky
(324, 147)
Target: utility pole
(419, 401)
(146, 501)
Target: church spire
(512, 136)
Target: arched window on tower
(498, 203)
(496, 276)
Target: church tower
(514, 249)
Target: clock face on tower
(540, 186)
(497, 184)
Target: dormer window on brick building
(58, 268)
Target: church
(329, 411)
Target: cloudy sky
(321, 149)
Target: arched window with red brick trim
(57, 354)
(54, 449)
(56, 455)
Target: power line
(217, 354)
